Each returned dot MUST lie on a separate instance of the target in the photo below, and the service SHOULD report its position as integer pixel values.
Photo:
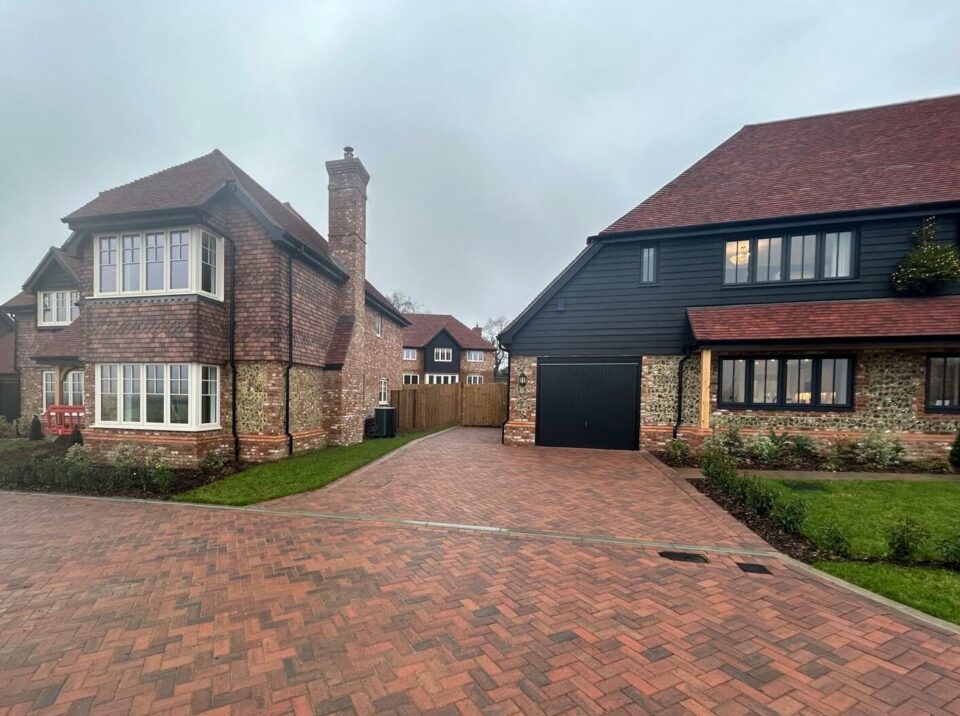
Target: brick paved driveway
(117, 607)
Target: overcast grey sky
(498, 135)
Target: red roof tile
(192, 184)
(21, 300)
(424, 326)
(340, 343)
(867, 318)
(59, 343)
(898, 155)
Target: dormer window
(57, 308)
(155, 262)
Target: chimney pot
(347, 152)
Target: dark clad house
(755, 291)
(9, 383)
(438, 349)
(192, 311)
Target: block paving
(110, 606)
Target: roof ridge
(159, 171)
(857, 110)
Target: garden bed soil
(930, 467)
(792, 545)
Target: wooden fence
(424, 407)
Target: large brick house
(755, 290)
(193, 311)
(438, 349)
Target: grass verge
(864, 508)
(300, 473)
(931, 590)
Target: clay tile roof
(21, 300)
(867, 318)
(6, 353)
(893, 156)
(192, 184)
(340, 343)
(424, 326)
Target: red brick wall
(485, 368)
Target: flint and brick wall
(521, 427)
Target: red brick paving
(120, 607)
(466, 476)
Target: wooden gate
(426, 407)
(485, 405)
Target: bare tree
(405, 303)
(491, 331)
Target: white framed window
(409, 353)
(443, 355)
(174, 396)
(474, 380)
(474, 356)
(378, 324)
(49, 389)
(73, 388)
(159, 261)
(384, 394)
(442, 378)
(57, 308)
(411, 379)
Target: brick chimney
(347, 230)
(478, 330)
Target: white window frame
(195, 387)
(442, 378)
(439, 352)
(384, 392)
(194, 268)
(474, 380)
(414, 379)
(472, 357)
(378, 324)
(72, 382)
(70, 296)
(409, 353)
(51, 377)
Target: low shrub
(718, 465)
(789, 513)
(879, 452)
(678, 451)
(157, 472)
(36, 430)
(905, 538)
(764, 450)
(760, 496)
(803, 447)
(76, 437)
(955, 452)
(212, 463)
(832, 538)
(7, 428)
(949, 551)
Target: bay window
(943, 383)
(159, 261)
(808, 256)
(805, 382)
(57, 308)
(174, 396)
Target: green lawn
(934, 591)
(864, 508)
(294, 474)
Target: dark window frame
(781, 404)
(655, 246)
(928, 387)
(785, 237)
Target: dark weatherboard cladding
(601, 307)
(441, 340)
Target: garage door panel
(591, 405)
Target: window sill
(804, 282)
(156, 427)
(55, 325)
(789, 408)
(146, 295)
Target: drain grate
(751, 568)
(685, 557)
(806, 487)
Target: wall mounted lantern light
(522, 380)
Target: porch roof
(926, 317)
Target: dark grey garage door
(588, 405)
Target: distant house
(755, 291)
(9, 383)
(193, 311)
(438, 349)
